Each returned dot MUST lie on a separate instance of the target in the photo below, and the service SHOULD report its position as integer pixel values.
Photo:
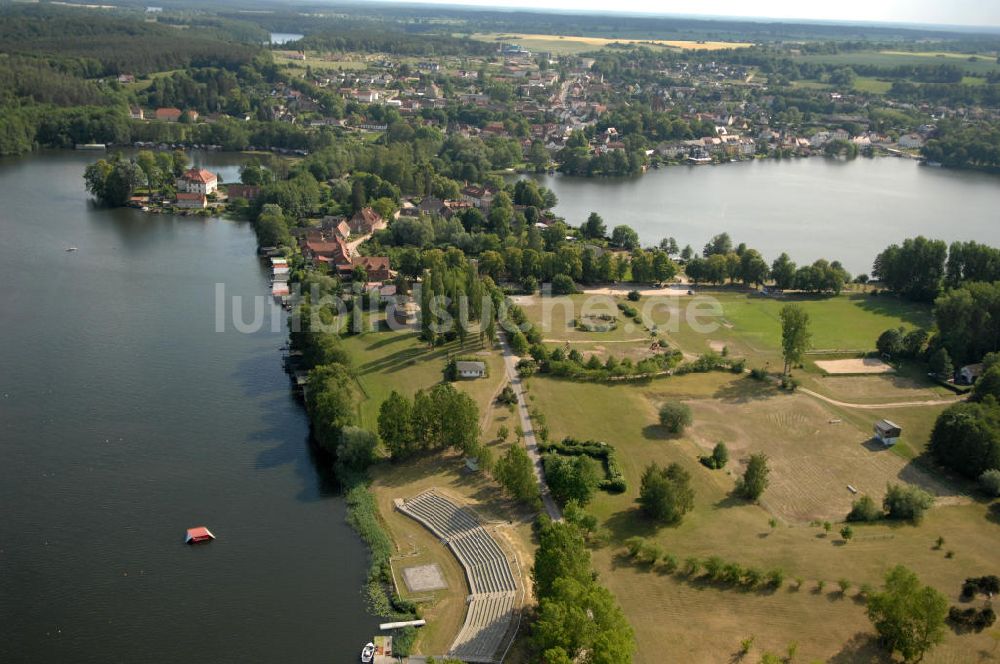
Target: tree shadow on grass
(861, 648)
(893, 307)
(391, 339)
(993, 513)
(629, 523)
(746, 390)
(732, 500)
(658, 432)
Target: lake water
(284, 38)
(811, 208)
(125, 419)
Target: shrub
(987, 585)
(675, 416)
(634, 546)
(758, 373)
(651, 552)
(669, 563)
(718, 458)
(989, 482)
(666, 494)
(713, 567)
(752, 577)
(775, 578)
(563, 285)
(970, 618)
(864, 509)
(751, 486)
(906, 502)
(633, 296)
(628, 309)
(790, 383)
(614, 480)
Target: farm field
(979, 67)
(812, 460)
(568, 44)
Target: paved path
(876, 406)
(510, 362)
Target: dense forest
(371, 38)
(105, 44)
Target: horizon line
(991, 29)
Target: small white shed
(887, 432)
(470, 369)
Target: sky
(940, 12)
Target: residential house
(911, 141)
(431, 205)
(337, 225)
(169, 114)
(190, 200)
(197, 181)
(366, 221)
(136, 113)
(376, 267)
(970, 373)
(481, 197)
(334, 252)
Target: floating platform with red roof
(199, 534)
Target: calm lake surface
(125, 419)
(811, 208)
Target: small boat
(199, 534)
(368, 652)
(70, 248)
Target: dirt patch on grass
(867, 365)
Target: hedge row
(614, 481)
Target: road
(530, 443)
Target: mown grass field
(387, 360)
(569, 44)
(812, 461)
(875, 85)
(713, 319)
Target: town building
(197, 181)
(168, 114)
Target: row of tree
(434, 419)
(577, 619)
(919, 268)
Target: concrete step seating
(492, 606)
